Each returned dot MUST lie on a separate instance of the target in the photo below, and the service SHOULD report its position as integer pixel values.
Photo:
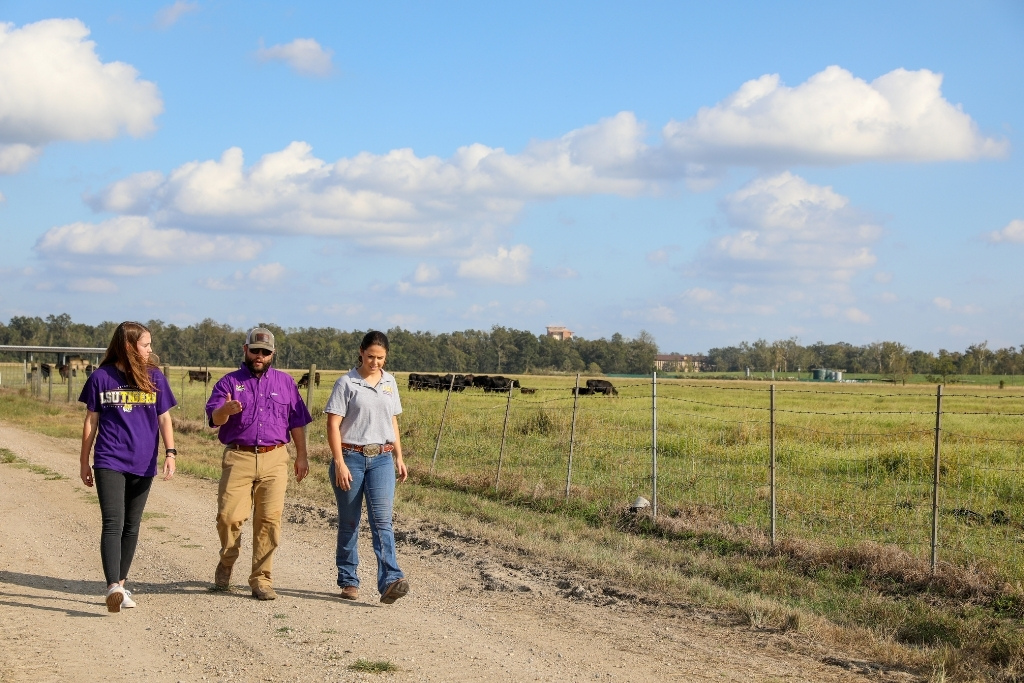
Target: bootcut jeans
(372, 479)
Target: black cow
(421, 381)
(64, 371)
(582, 391)
(203, 376)
(499, 384)
(304, 380)
(524, 390)
(602, 386)
(456, 382)
(44, 370)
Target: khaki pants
(252, 482)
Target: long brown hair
(124, 350)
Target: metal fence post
(654, 443)
(504, 431)
(71, 393)
(572, 436)
(771, 462)
(49, 386)
(440, 427)
(935, 478)
(309, 386)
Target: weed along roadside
(851, 558)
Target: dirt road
(472, 615)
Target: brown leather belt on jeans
(255, 449)
(370, 449)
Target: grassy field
(854, 477)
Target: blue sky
(709, 172)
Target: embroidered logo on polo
(239, 387)
(127, 400)
(387, 389)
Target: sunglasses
(261, 352)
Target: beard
(266, 365)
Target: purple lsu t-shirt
(129, 431)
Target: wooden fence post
(771, 463)
(504, 431)
(572, 437)
(654, 443)
(440, 427)
(309, 386)
(935, 478)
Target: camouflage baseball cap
(260, 338)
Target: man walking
(258, 410)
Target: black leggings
(122, 500)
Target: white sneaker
(115, 596)
(127, 601)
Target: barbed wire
(786, 425)
(972, 437)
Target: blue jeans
(373, 479)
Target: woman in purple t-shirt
(128, 400)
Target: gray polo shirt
(367, 409)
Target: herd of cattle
(419, 381)
(497, 383)
(64, 371)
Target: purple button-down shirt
(271, 407)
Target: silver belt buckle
(371, 449)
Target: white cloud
(133, 238)
(391, 200)
(267, 273)
(169, 16)
(855, 315)
(789, 230)
(888, 297)
(564, 273)
(93, 285)
(699, 295)
(427, 292)
(426, 273)
(304, 55)
(1012, 233)
(461, 205)
(832, 118)
(507, 266)
(883, 278)
(53, 86)
(943, 303)
(476, 309)
(260, 276)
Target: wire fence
(936, 474)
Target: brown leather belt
(370, 449)
(254, 449)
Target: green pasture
(854, 462)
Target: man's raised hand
(231, 406)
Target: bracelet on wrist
(170, 453)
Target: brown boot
(264, 593)
(396, 590)
(222, 577)
(350, 593)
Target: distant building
(681, 362)
(559, 333)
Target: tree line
(883, 358)
(499, 350)
(507, 350)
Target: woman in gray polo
(362, 431)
